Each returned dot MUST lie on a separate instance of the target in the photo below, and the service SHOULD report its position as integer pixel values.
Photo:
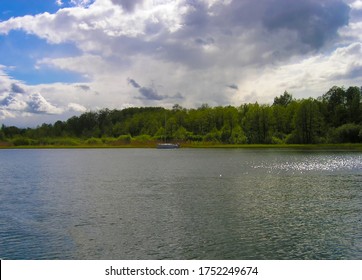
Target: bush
(347, 133)
(22, 141)
(109, 140)
(94, 141)
(213, 136)
(144, 138)
(124, 139)
(276, 140)
(194, 138)
(292, 138)
(66, 142)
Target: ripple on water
(328, 163)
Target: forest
(334, 117)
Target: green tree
(257, 124)
(334, 106)
(280, 121)
(283, 100)
(308, 122)
(58, 128)
(353, 105)
(181, 134)
(238, 136)
(2, 134)
(213, 136)
(348, 133)
(104, 122)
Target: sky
(60, 58)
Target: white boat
(167, 146)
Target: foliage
(308, 122)
(348, 133)
(23, 141)
(94, 141)
(2, 135)
(335, 117)
(283, 100)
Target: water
(180, 204)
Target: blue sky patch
(17, 8)
(21, 51)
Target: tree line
(334, 117)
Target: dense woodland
(335, 117)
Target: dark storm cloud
(133, 83)
(282, 28)
(128, 5)
(233, 86)
(149, 93)
(205, 42)
(83, 87)
(315, 22)
(17, 89)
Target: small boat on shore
(168, 146)
(165, 145)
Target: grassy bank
(356, 147)
(203, 145)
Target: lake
(180, 204)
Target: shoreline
(312, 147)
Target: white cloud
(311, 76)
(6, 114)
(38, 104)
(357, 5)
(81, 3)
(76, 107)
(14, 102)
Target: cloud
(81, 3)
(350, 67)
(148, 93)
(76, 107)
(315, 22)
(16, 88)
(39, 105)
(233, 86)
(133, 83)
(83, 87)
(128, 5)
(5, 114)
(357, 5)
(178, 95)
(18, 99)
(13, 102)
(151, 94)
(59, 3)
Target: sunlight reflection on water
(315, 163)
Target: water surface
(180, 204)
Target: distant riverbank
(342, 147)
